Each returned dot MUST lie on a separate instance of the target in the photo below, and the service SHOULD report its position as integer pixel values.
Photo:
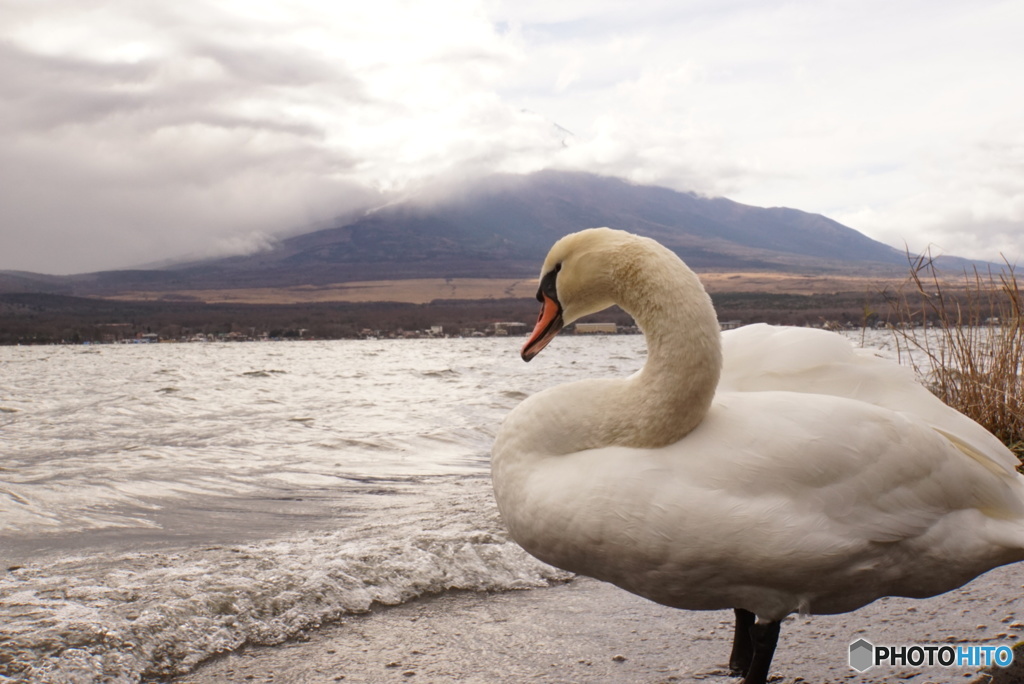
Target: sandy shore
(588, 631)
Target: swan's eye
(548, 285)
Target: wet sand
(587, 631)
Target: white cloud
(133, 132)
(872, 113)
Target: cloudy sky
(132, 132)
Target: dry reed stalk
(968, 343)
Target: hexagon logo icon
(862, 655)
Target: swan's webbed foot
(742, 643)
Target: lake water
(162, 503)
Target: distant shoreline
(428, 290)
(27, 318)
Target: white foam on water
(154, 614)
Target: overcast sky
(132, 132)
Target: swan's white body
(801, 475)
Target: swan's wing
(812, 472)
(880, 475)
(768, 358)
(777, 500)
(756, 353)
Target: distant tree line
(47, 319)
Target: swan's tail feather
(994, 466)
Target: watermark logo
(864, 655)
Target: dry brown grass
(425, 290)
(968, 342)
(789, 283)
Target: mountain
(24, 281)
(507, 223)
(502, 226)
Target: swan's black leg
(764, 637)
(742, 642)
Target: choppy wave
(138, 615)
(97, 440)
(160, 504)
(163, 503)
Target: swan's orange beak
(548, 324)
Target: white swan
(805, 476)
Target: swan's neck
(672, 393)
(658, 406)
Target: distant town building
(596, 329)
(510, 328)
